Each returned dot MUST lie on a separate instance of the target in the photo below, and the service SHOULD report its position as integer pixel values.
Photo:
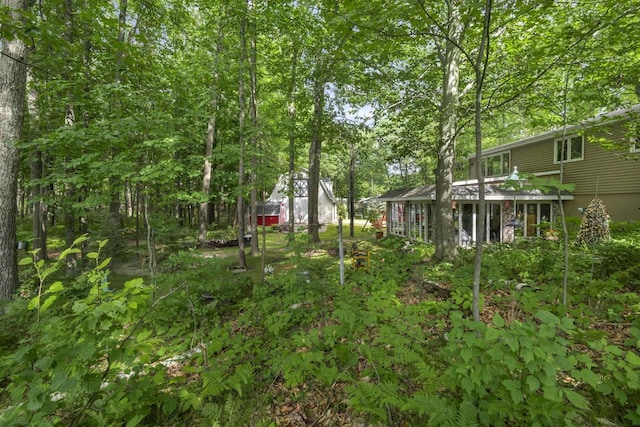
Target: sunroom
(509, 213)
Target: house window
(300, 187)
(635, 144)
(497, 164)
(569, 149)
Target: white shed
(327, 202)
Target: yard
(198, 343)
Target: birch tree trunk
(210, 141)
(13, 76)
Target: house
(275, 210)
(599, 156)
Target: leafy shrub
(513, 374)
(84, 361)
(619, 259)
(627, 230)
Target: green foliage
(619, 260)
(625, 230)
(389, 347)
(223, 233)
(513, 372)
(84, 360)
(343, 211)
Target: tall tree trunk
(38, 220)
(138, 208)
(13, 77)
(242, 263)
(292, 142)
(253, 111)
(444, 237)
(480, 72)
(352, 190)
(115, 221)
(69, 120)
(36, 172)
(210, 141)
(315, 150)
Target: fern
(440, 411)
(467, 415)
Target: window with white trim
(497, 164)
(635, 144)
(569, 149)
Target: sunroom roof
(470, 192)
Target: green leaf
(493, 334)
(104, 263)
(466, 354)
(56, 287)
(103, 243)
(48, 302)
(133, 283)
(143, 335)
(26, 261)
(135, 421)
(92, 255)
(547, 331)
(564, 363)
(589, 377)
(34, 303)
(615, 350)
(498, 321)
(80, 240)
(68, 251)
(576, 399)
(169, 406)
(36, 400)
(526, 355)
(620, 395)
(552, 392)
(547, 317)
(514, 387)
(633, 358)
(604, 388)
(532, 383)
(467, 385)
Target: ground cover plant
(202, 344)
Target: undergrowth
(394, 345)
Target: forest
(134, 133)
